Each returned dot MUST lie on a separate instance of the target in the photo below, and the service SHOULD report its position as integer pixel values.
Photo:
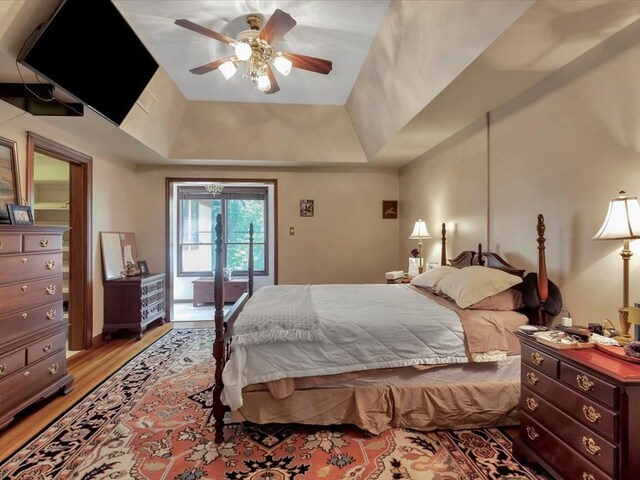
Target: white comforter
(364, 327)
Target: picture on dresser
(9, 186)
(19, 214)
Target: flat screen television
(89, 50)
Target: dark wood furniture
(203, 290)
(579, 413)
(33, 330)
(224, 322)
(132, 303)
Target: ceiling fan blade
(208, 67)
(312, 64)
(274, 83)
(276, 27)
(189, 25)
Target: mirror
(118, 249)
(9, 184)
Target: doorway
(59, 189)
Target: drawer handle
(23, 288)
(51, 290)
(24, 259)
(26, 374)
(584, 383)
(591, 414)
(51, 314)
(24, 315)
(3, 369)
(531, 377)
(532, 404)
(50, 265)
(1, 244)
(53, 369)
(44, 242)
(531, 433)
(537, 358)
(46, 348)
(587, 476)
(591, 446)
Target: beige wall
(346, 241)
(563, 148)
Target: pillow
(510, 299)
(430, 278)
(469, 285)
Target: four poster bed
(378, 356)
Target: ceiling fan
(255, 48)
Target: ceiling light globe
(243, 51)
(263, 83)
(283, 65)
(228, 69)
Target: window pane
(238, 257)
(240, 214)
(198, 220)
(197, 258)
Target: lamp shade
(622, 220)
(419, 231)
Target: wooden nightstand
(579, 413)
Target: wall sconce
(419, 232)
(622, 223)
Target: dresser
(580, 412)
(132, 303)
(33, 331)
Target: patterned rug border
(92, 390)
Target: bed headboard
(485, 259)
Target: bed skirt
(378, 408)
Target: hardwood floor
(89, 368)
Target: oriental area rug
(151, 420)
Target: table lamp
(622, 223)
(419, 232)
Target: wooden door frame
(80, 234)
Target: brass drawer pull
(532, 378)
(587, 476)
(1, 244)
(3, 369)
(584, 383)
(53, 369)
(44, 242)
(46, 348)
(24, 316)
(51, 314)
(537, 358)
(23, 288)
(591, 446)
(591, 414)
(531, 433)
(532, 404)
(50, 265)
(26, 374)
(51, 290)
(24, 259)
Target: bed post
(443, 250)
(250, 269)
(543, 283)
(218, 345)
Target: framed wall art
(306, 208)
(9, 184)
(389, 209)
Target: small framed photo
(306, 208)
(389, 209)
(20, 214)
(144, 269)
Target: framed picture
(9, 186)
(306, 208)
(20, 214)
(389, 209)
(144, 269)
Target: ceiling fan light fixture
(282, 64)
(243, 51)
(228, 69)
(263, 83)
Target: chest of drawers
(579, 413)
(32, 326)
(132, 303)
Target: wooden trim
(81, 232)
